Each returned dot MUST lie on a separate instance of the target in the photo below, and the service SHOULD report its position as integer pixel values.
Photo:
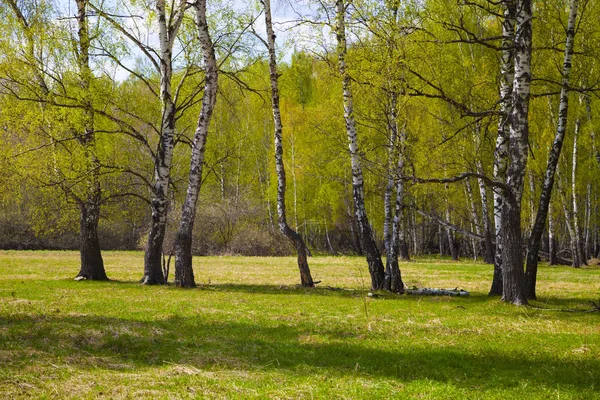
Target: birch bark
(168, 29)
(569, 221)
(575, 214)
(376, 269)
(488, 256)
(513, 274)
(397, 246)
(549, 177)
(501, 151)
(184, 273)
(474, 216)
(293, 236)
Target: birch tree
(513, 274)
(184, 274)
(85, 189)
(293, 236)
(92, 265)
(501, 151)
(369, 247)
(549, 177)
(168, 27)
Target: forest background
(426, 78)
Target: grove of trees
(398, 128)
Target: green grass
(249, 332)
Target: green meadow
(248, 331)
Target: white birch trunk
(565, 202)
(369, 247)
(549, 177)
(501, 151)
(575, 214)
(488, 256)
(168, 29)
(474, 216)
(551, 239)
(389, 189)
(293, 236)
(513, 274)
(184, 274)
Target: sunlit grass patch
(248, 331)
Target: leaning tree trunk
(184, 273)
(540, 220)
(168, 28)
(513, 274)
(92, 265)
(293, 236)
(501, 152)
(369, 247)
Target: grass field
(249, 332)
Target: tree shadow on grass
(92, 342)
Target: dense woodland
(394, 128)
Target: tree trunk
(513, 274)
(576, 238)
(388, 214)
(551, 239)
(92, 265)
(488, 245)
(184, 273)
(569, 222)
(450, 237)
(168, 28)
(376, 269)
(576, 228)
(393, 276)
(293, 236)
(474, 218)
(501, 152)
(540, 220)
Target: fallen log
(437, 292)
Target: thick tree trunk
(184, 274)
(92, 265)
(501, 152)
(540, 220)
(513, 274)
(376, 269)
(168, 28)
(293, 236)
